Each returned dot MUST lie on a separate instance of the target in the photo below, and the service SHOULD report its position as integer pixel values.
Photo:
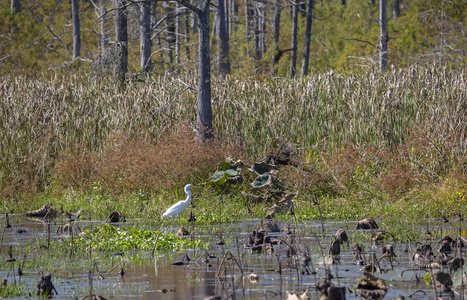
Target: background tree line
(261, 37)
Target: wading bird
(177, 209)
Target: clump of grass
(126, 165)
(109, 238)
(13, 290)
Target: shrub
(128, 164)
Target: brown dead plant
(128, 164)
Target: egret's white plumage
(176, 209)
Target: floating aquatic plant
(109, 238)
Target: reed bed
(41, 118)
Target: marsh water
(213, 272)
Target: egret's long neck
(188, 196)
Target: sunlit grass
(374, 144)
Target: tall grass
(41, 118)
(376, 109)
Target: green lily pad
(220, 176)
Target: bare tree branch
(25, 47)
(50, 30)
(359, 40)
(189, 5)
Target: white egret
(177, 209)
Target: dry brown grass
(128, 164)
(359, 171)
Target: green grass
(109, 238)
(13, 290)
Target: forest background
(359, 129)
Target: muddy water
(150, 278)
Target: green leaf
(427, 278)
(220, 176)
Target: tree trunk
(293, 57)
(194, 18)
(204, 113)
(259, 30)
(306, 51)
(276, 20)
(170, 30)
(233, 19)
(383, 38)
(187, 35)
(223, 59)
(154, 21)
(396, 9)
(178, 31)
(227, 16)
(262, 27)
(15, 6)
(76, 30)
(121, 41)
(145, 36)
(103, 35)
(247, 29)
(204, 116)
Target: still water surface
(157, 278)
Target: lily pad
(319, 260)
(261, 168)
(261, 181)
(220, 176)
(459, 275)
